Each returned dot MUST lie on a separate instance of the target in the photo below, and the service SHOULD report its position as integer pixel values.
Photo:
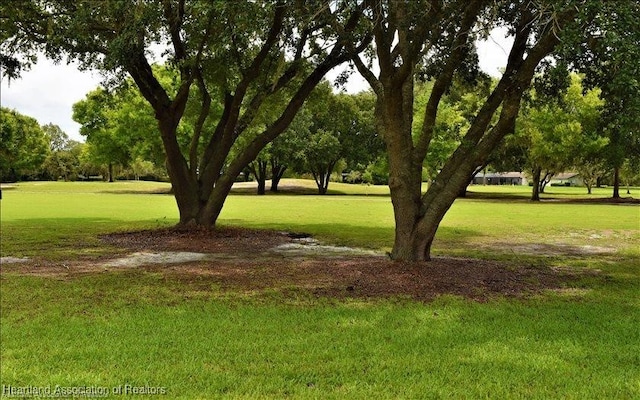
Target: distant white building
(567, 179)
(500, 178)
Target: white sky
(48, 91)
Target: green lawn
(141, 328)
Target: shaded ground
(249, 261)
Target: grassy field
(134, 328)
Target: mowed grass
(65, 218)
(144, 329)
(60, 219)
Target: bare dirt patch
(226, 240)
(549, 249)
(242, 260)
(13, 260)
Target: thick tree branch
(199, 125)
(175, 18)
(222, 141)
(478, 143)
(368, 75)
(444, 79)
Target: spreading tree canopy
(434, 40)
(23, 145)
(237, 54)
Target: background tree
(120, 126)
(23, 146)
(547, 132)
(610, 60)
(557, 130)
(630, 173)
(329, 137)
(63, 160)
(331, 129)
(589, 147)
(363, 146)
(58, 140)
(143, 168)
(339, 132)
(259, 169)
(283, 149)
(319, 156)
(109, 137)
(88, 167)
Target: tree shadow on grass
(552, 197)
(304, 191)
(353, 235)
(60, 237)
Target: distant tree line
(29, 151)
(561, 127)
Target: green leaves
(119, 126)
(557, 132)
(23, 145)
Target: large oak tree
(236, 53)
(435, 39)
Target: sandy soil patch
(243, 260)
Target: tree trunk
(110, 172)
(277, 172)
(246, 175)
(322, 181)
(259, 171)
(535, 180)
(322, 176)
(616, 182)
(184, 184)
(410, 244)
(545, 180)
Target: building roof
(500, 175)
(565, 175)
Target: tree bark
(277, 172)
(535, 180)
(616, 182)
(259, 171)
